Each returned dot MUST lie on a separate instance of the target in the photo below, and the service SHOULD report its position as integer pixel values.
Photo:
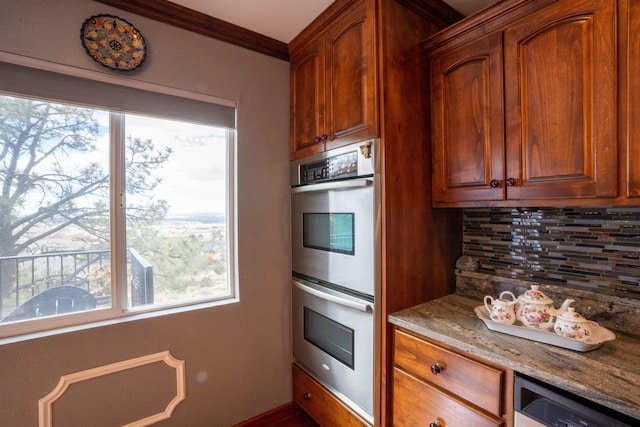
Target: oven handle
(338, 300)
(335, 185)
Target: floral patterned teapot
(536, 310)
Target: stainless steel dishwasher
(540, 405)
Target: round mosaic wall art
(113, 42)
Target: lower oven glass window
(333, 232)
(333, 338)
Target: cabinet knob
(437, 368)
(306, 396)
(495, 183)
(436, 423)
(512, 182)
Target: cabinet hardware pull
(436, 423)
(306, 396)
(333, 185)
(495, 183)
(512, 182)
(322, 139)
(437, 368)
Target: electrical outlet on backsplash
(589, 254)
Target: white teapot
(572, 325)
(536, 310)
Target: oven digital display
(337, 167)
(333, 232)
(332, 337)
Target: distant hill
(211, 218)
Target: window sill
(129, 316)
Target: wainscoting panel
(132, 393)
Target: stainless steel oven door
(333, 233)
(333, 342)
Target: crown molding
(191, 20)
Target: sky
(193, 179)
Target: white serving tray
(599, 334)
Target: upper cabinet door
(307, 99)
(631, 96)
(468, 122)
(351, 78)
(560, 105)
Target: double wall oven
(336, 244)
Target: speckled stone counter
(609, 375)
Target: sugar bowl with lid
(572, 325)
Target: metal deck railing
(25, 276)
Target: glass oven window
(333, 232)
(333, 338)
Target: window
(106, 212)
(176, 178)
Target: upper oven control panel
(345, 162)
(339, 166)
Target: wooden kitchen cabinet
(321, 405)
(333, 84)
(630, 95)
(359, 70)
(418, 403)
(307, 100)
(467, 101)
(526, 110)
(560, 102)
(432, 384)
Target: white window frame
(120, 310)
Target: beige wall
(237, 357)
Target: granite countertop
(609, 375)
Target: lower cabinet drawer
(320, 404)
(418, 404)
(475, 382)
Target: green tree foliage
(50, 182)
(180, 263)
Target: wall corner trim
(45, 405)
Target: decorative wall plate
(113, 42)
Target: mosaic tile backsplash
(595, 249)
